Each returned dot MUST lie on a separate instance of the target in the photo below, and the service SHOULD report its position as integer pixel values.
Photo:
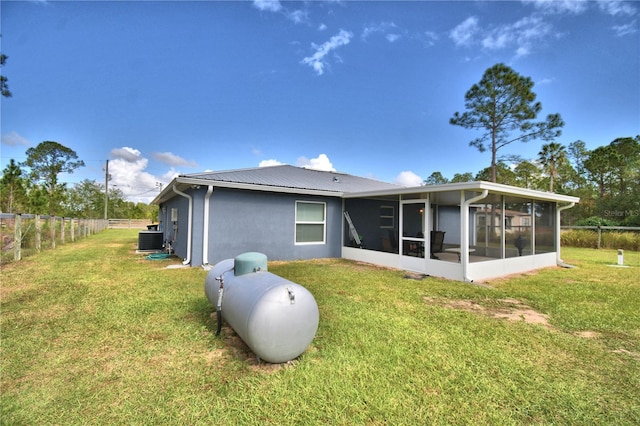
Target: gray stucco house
(466, 231)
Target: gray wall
(176, 235)
(241, 221)
(449, 221)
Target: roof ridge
(236, 170)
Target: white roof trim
(494, 188)
(248, 186)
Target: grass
(94, 334)
(588, 238)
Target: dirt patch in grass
(509, 309)
(415, 276)
(634, 355)
(514, 310)
(588, 334)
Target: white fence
(129, 223)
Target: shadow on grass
(232, 344)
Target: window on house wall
(310, 222)
(387, 217)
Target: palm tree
(551, 156)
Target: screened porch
(466, 231)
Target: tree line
(33, 186)
(607, 179)
(503, 108)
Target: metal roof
(282, 178)
(297, 180)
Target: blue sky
(366, 88)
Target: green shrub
(596, 221)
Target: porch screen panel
(490, 230)
(518, 229)
(310, 222)
(545, 217)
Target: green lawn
(94, 334)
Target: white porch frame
(464, 270)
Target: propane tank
(275, 317)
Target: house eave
(479, 186)
(185, 182)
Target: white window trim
(324, 224)
(392, 217)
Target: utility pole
(106, 190)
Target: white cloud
(616, 8)
(497, 40)
(14, 139)
(271, 162)
(171, 174)
(128, 175)
(172, 159)
(267, 5)
(610, 7)
(318, 60)
(408, 178)
(127, 154)
(127, 170)
(392, 37)
(623, 30)
(321, 162)
(462, 35)
(520, 36)
(527, 32)
(322, 27)
(298, 16)
(559, 6)
(382, 27)
(429, 38)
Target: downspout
(559, 261)
(205, 231)
(464, 231)
(187, 260)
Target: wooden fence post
(62, 230)
(599, 236)
(17, 238)
(71, 228)
(38, 232)
(52, 219)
